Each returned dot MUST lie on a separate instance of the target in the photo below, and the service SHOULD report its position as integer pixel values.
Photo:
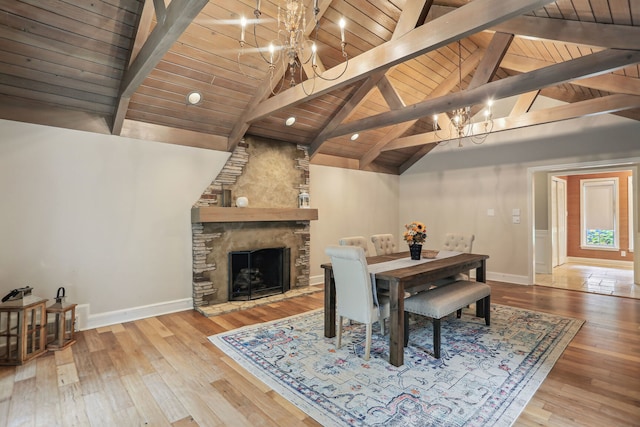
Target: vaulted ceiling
(125, 67)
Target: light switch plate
(515, 212)
(516, 219)
(491, 212)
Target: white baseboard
(316, 280)
(91, 321)
(508, 278)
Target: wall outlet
(623, 253)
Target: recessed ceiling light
(194, 98)
(290, 121)
(355, 136)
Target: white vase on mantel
(242, 202)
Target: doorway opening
(565, 255)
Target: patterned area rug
(485, 377)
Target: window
(599, 213)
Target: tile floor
(597, 277)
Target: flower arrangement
(416, 233)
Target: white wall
(106, 217)
(349, 203)
(451, 188)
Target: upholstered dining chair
(354, 291)
(384, 244)
(358, 241)
(459, 242)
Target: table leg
(396, 326)
(481, 276)
(329, 304)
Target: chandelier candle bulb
(243, 24)
(314, 48)
(343, 23)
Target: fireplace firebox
(258, 273)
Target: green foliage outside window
(600, 238)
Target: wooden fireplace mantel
(218, 214)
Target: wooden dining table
(396, 282)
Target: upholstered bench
(444, 300)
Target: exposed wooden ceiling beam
(390, 95)
(608, 82)
(487, 68)
(180, 13)
(605, 105)
(178, 17)
(589, 65)
(579, 32)
(406, 23)
(460, 23)
(161, 11)
(152, 132)
(610, 36)
(348, 163)
(524, 103)
(414, 14)
(142, 34)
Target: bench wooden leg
(480, 308)
(406, 328)
(436, 338)
(487, 309)
(459, 313)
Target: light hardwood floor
(600, 277)
(163, 371)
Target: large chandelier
(460, 124)
(291, 46)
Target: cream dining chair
(354, 291)
(459, 242)
(358, 241)
(384, 243)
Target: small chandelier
(461, 125)
(290, 46)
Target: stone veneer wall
(270, 174)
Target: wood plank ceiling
(125, 67)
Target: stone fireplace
(270, 174)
